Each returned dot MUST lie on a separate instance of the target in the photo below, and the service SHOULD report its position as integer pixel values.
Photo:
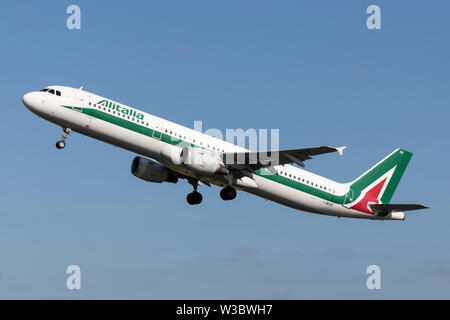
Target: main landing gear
(228, 193)
(62, 143)
(194, 197)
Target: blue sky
(309, 68)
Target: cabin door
(157, 130)
(349, 198)
(78, 100)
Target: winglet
(340, 150)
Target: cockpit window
(52, 91)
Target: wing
(264, 159)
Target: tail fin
(378, 184)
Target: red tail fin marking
(370, 196)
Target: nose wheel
(228, 193)
(194, 197)
(61, 144)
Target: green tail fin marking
(398, 159)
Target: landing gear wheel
(194, 198)
(60, 144)
(228, 193)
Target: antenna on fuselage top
(81, 88)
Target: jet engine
(201, 161)
(151, 171)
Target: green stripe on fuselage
(181, 143)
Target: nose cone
(27, 99)
(30, 100)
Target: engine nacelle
(151, 171)
(202, 161)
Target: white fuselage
(78, 110)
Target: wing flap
(264, 159)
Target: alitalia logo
(119, 108)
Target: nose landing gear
(61, 144)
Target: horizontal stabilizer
(396, 207)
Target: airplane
(168, 152)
